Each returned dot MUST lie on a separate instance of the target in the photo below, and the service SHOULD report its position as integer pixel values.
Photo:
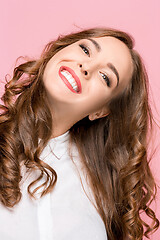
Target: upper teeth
(70, 79)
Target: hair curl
(113, 149)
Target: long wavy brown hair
(113, 149)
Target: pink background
(26, 26)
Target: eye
(85, 49)
(106, 79)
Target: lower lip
(66, 82)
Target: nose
(83, 70)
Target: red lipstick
(73, 75)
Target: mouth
(70, 79)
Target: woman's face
(103, 67)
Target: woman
(74, 131)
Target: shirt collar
(57, 146)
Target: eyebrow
(110, 65)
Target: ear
(99, 114)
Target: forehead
(116, 52)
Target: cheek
(66, 53)
(100, 93)
(58, 57)
(97, 100)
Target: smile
(70, 79)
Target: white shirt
(65, 213)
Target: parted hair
(112, 149)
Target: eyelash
(84, 48)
